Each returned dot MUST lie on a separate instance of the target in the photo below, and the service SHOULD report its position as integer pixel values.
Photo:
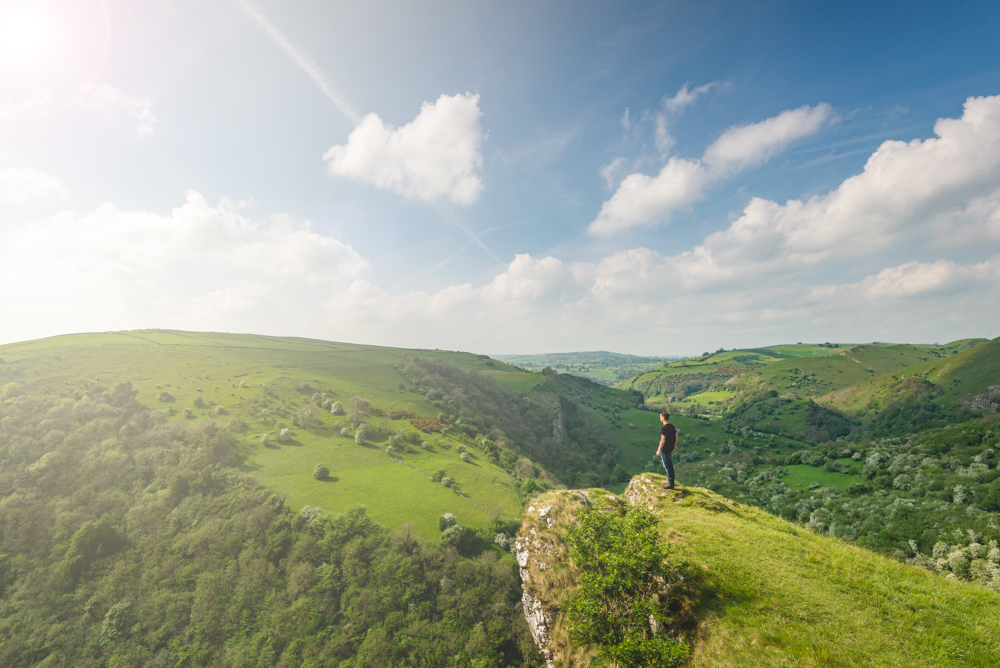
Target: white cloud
(108, 97)
(200, 266)
(685, 97)
(904, 190)
(664, 140)
(642, 200)
(756, 143)
(610, 171)
(435, 156)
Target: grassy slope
(778, 595)
(957, 375)
(803, 378)
(180, 361)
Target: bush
(188, 413)
(624, 570)
(321, 472)
(199, 402)
(219, 410)
(458, 537)
(447, 482)
(285, 435)
(445, 521)
(165, 397)
(337, 408)
(466, 457)
(360, 434)
(345, 431)
(438, 476)
(265, 439)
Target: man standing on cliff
(668, 444)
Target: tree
(360, 434)
(358, 410)
(337, 408)
(321, 472)
(285, 435)
(624, 579)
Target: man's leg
(668, 466)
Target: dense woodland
(127, 541)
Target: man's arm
(663, 440)
(677, 439)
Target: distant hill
(602, 367)
(771, 593)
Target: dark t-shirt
(670, 432)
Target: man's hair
(665, 414)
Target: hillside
(945, 381)
(567, 430)
(771, 593)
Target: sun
(25, 31)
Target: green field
(800, 476)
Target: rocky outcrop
(546, 573)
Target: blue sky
(654, 178)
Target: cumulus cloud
(643, 200)
(756, 143)
(435, 156)
(905, 190)
(108, 97)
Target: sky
(656, 178)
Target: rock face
(546, 573)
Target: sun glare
(25, 31)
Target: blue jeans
(668, 466)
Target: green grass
(800, 476)
(366, 475)
(776, 594)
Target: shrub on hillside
(285, 435)
(445, 521)
(360, 435)
(321, 472)
(199, 402)
(625, 570)
(337, 408)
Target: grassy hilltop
(775, 594)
